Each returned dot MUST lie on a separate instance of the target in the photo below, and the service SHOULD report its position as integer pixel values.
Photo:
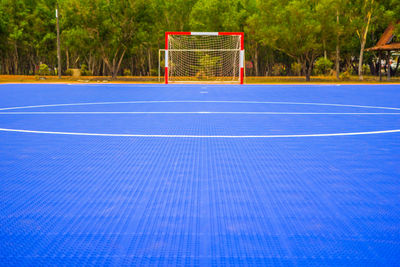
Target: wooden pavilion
(386, 44)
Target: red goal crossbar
(241, 60)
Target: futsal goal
(204, 57)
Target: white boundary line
(194, 112)
(203, 136)
(199, 136)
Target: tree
(252, 36)
(393, 11)
(362, 15)
(329, 14)
(16, 28)
(334, 27)
(146, 40)
(109, 27)
(173, 15)
(216, 15)
(110, 35)
(292, 27)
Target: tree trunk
(360, 61)
(67, 57)
(306, 68)
(380, 66)
(377, 68)
(7, 66)
(92, 68)
(132, 67)
(337, 48)
(337, 63)
(15, 58)
(256, 59)
(114, 68)
(32, 64)
(355, 67)
(372, 68)
(363, 41)
(149, 59)
(58, 45)
(76, 61)
(119, 63)
(309, 66)
(308, 73)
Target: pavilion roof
(385, 42)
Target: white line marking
(202, 112)
(197, 101)
(200, 136)
(194, 112)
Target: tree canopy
(110, 36)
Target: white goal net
(204, 57)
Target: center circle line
(203, 112)
(197, 101)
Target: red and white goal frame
(239, 49)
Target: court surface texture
(199, 175)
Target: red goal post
(234, 65)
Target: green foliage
(366, 69)
(84, 68)
(296, 68)
(85, 71)
(217, 15)
(172, 15)
(291, 26)
(397, 32)
(352, 71)
(278, 69)
(345, 76)
(153, 72)
(127, 72)
(323, 66)
(127, 34)
(69, 72)
(207, 66)
(44, 70)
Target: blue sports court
(199, 175)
